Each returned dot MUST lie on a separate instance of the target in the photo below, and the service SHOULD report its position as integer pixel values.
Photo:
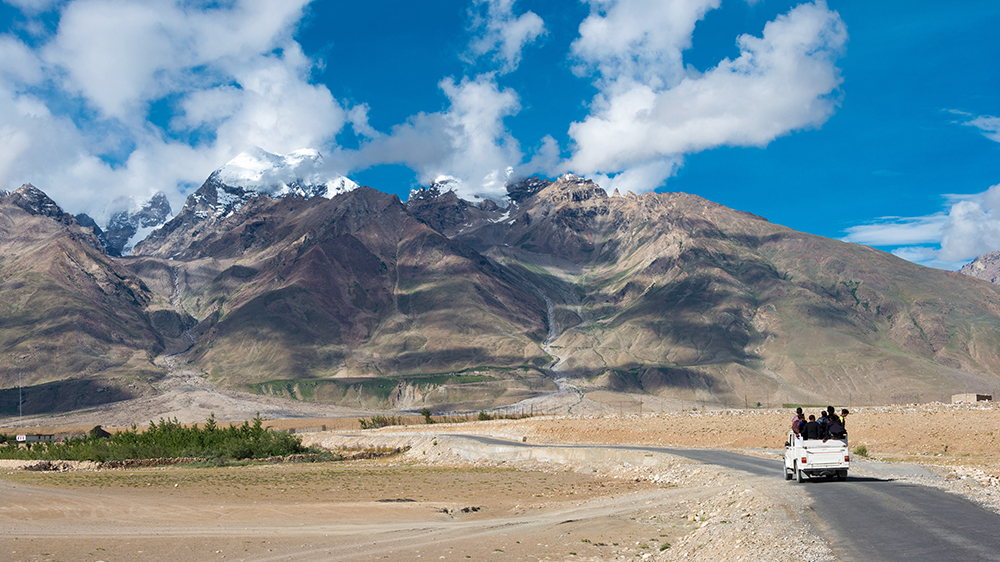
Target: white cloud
(468, 141)
(232, 70)
(119, 54)
(637, 41)
(33, 6)
(18, 64)
(988, 125)
(948, 240)
(637, 179)
(56, 156)
(927, 256)
(973, 227)
(545, 160)
(970, 228)
(651, 110)
(502, 33)
(899, 231)
(357, 116)
(276, 108)
(236, 77)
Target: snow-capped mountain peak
(133, 223)
(302, 172)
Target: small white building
(36, 438)
(970, 398)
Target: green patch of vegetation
(376, 422)
(380, 388)
(482, 416)
(170, 439)
(861, 450)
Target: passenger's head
(798, 410)
(844, 412)
(812, 417)
(830, 410)
(823, 413)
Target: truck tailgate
(819, 454)
(824, 457)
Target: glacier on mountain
(302, 172)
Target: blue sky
(873, 122)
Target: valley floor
(404, 509)
(446, 499)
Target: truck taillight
(804, 460)
(847, 458)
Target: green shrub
(861, 451)
(170, 439)
(376, 422)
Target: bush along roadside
(172, 440)
(323, 456)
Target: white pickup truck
(814, 457)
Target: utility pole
(19, 412)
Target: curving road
(867, 519)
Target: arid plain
(445, 499)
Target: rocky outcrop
(985, 267)
(126, 228)
(35, 202)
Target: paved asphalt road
(871, 519)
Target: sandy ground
(433, 503)
(404, 508)
(360, 511)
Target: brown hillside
(362, 301)
(348, 287)
(670, 293)
(73, 329)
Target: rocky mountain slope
(127, 227)
(253, 174)
(350, 287)
(68, 312)
(670, 293)
(358, 299)
(985, 267)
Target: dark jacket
(812, 430)
(835, 429)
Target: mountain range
(282, 279)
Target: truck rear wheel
(788, 475)
(841, 475)
(800, 475)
